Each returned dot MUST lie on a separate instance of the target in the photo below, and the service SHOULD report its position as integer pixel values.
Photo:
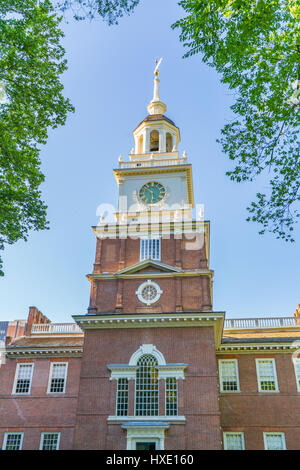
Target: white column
(146, 142)
(162, 141)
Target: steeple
(156, 106)
(156, 134)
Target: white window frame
(140, 289)
(221, 361)
(257, 361)
(226, 434)
(282, 434)
(296, 362)
(19, 364)
(6, 434)
(143, 239)
(51, 432)
(50, 378)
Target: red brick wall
(198, 393)
(254, 412)
(192, 294)
(115, 254)
(39, 412)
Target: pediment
(149, 265)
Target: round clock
(152, 192)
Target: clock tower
(149, 374)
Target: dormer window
(154, 141)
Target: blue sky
(110, 83)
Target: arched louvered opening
(169, 142)
(146, 387)
(154, 141)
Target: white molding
(147, 349)
(137, 432)
(140, 290)
(176, 419)
(19, 364)
(32, 352)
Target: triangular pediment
(156, 266)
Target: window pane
(146, 403)
(13, 441)
(50, 441)
(122, 397)
(58, 377)
(228, 375)
(150, 249)
(233, 441)
(266, 375)
(274, 441)
(23, 378)
(171, 397)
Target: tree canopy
(31, 102)
(255, 46)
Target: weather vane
(157, 62)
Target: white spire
(156, 106)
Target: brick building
(151, 365)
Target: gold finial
(157, 62)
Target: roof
(258, 336)
(157, 117)
(54, 341)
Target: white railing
(248, 323)
(55, 328)
(150, 163)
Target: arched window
(146, 387)
(140, 144)
(169, 142)
(154, 141)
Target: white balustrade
(248, 323)
(55, 328)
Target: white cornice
(49, 352)
(248, 348)
(154, 320)
(195, 273)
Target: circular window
(149, 292)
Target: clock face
(152, 192)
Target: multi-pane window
(228, 372)
(49, 441)
(297, 372)
(274, 441)
(146, 386)
(23, 378)
(150, 249)
(13, 441)
(171, 397)
(57, 378)
(234, 441)
(122, 397)
(266, 375)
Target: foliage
(255, 46)
(109, 10)
(31, 102)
